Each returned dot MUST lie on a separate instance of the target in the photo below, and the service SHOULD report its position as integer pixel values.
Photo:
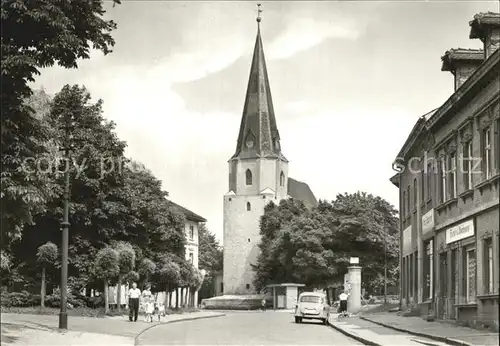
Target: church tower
(258, 174)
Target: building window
(249, 207)
(191, 232)
(408, 208)
(453, 175)
(248, 175)
(454, 272)
(191, 258)
(488, 266)
(442, 185)
(487, 152)
(422, 187)
(429, 181)
(497, 144)
(470, 275)
(415, 187)
(282, 179)
(428, 271)
(403, 211)
(248, 286)
(467, 165)
(221, 287)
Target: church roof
(302, 192)
(258, 136)
(187, 213)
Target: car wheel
(297, 320)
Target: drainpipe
(400, 247)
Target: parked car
(312, 306)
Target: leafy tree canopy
(37, 34)
(47, 253)
(314, 246)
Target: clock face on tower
(249, 143)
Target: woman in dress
(147, 297)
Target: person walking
(263, 304)
(343, 303)
(148, 304)
(133, 302)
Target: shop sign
(428, 221)
(407, 240)
(459, 232)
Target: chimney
(462, 63)
(486, 27)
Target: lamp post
(63, 315)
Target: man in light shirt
(133, 302)
(343, 302)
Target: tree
(46, 255)
(37, 34)
(126, 263)
(167, 274)
(106, 267)
(210, 259)
(366, 225)
(146, 270)
(209, 250)
(314, 247)
(269, 267)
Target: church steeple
(258, 136)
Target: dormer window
(191, 232)
(248, 176)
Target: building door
(453, 283)
(443, 286)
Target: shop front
(456, 270)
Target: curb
(352, 336)
(136, 338)
(448, 341)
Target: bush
(54, 301)
(19, 299)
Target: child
(148, 304)
(159, 310)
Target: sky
(348, 81)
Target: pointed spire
(258, 136)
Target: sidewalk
(25, 329)
(450, 334)
(369, 333)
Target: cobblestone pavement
(256, 328)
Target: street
(245, 328)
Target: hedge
(26, 299)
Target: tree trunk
(170, 299)
(119, 294)
(43, 289)
(106, 297)
(186, 301)
(177, 298)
